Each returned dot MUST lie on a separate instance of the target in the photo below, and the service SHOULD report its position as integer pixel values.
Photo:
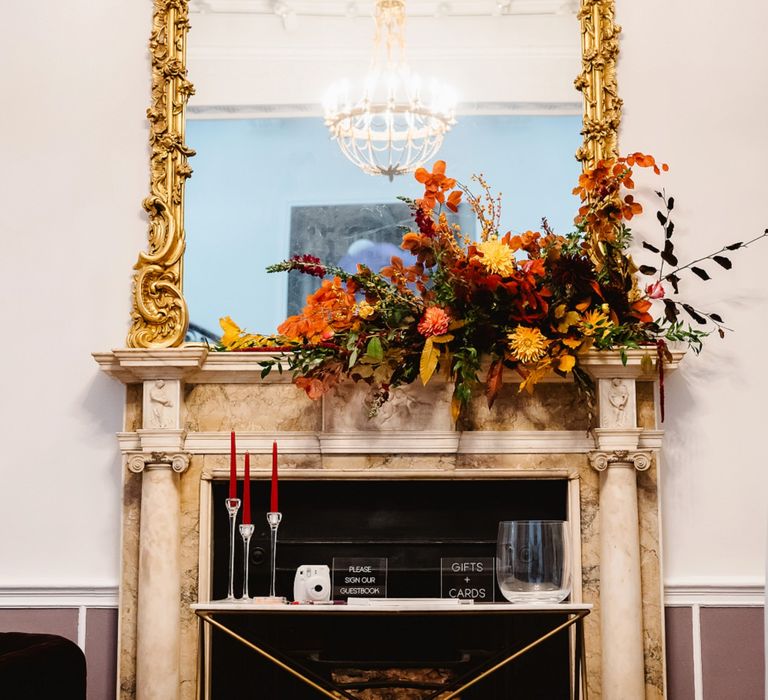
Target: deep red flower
(425, 223)
(309, 265)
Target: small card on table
(468, 578)
(359, 577)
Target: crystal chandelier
(391, 129)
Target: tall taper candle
(273, 500)
(232, 467)
(247, 491)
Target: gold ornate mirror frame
(159, 318)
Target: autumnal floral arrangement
(532, 303)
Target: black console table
(412, 617)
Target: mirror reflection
(269, 182)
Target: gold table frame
(575, 615)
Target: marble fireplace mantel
(181, 404)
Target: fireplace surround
(412, 523)
(181, 404)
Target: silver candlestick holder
(274, 522)
(273, 519)
(233, 505)
(246, 532)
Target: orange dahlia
(435, 321)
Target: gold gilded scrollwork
(159, 317)
(597, 81)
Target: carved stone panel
(162, 399)
(618, 405)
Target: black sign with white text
(467, 579)
(358, 577)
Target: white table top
(384, 605)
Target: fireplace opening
(413, 524)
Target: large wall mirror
(269, 182)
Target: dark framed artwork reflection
(350, 234)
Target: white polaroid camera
(312, 584)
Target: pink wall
(99, 637)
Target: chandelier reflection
(395, 126)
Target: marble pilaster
(158, 587)
(159, 581)
(621, 598)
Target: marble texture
(589, 497)
(646, 405)
(159, 584)
(649, 509)
(562, 464)
(189, 492)
(623, 675)
(412, 407)
(133, 407)
(217, 466)
(129, 585)
(251, 407)
(551, 407)
(367, 464)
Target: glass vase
(533, 561)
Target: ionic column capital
(639, 460)
(177, 462)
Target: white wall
(74, 78)
(253, 60)
(75, 83)
(693, 77)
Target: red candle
(232, 467)
(273, 500)
(247, 491)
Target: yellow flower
(572, 343)
(527, 344)
(568, 320)
(498, 257)
(566, 363)
(365, 310)
(535, 375)
(232, 331)
(594, 321)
